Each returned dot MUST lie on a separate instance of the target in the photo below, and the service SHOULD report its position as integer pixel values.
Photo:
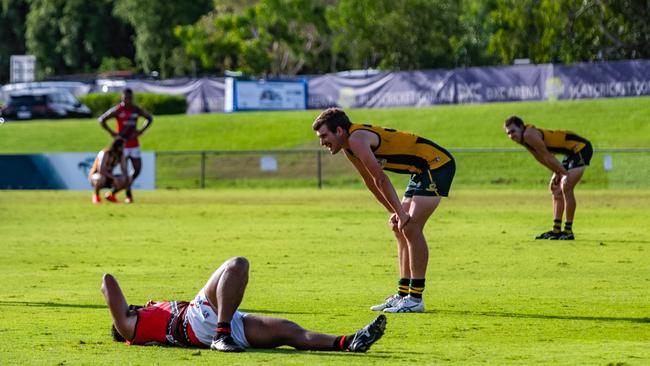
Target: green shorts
(581, 158)
(435, 182)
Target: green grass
(321, 258)
(494, 170)
(606, 122)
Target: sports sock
(223, 328)
(557, 225)
(128, 192)
(403, 286)
(417, 288)
(342, 343)
(568, 227)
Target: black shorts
(435, 182)
(108, 183)
(581, 158)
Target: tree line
(298, 37)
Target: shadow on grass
(541, 316)
(264, 311)
(450, 312)
(49, 304)
(291, 351)
(623, 241)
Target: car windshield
(26, 100)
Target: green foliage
(69, 36)
(161, 104)
(154, 22)
(12, 32)
(290, 37)
(99, 102)
(470, 43)
(156, 104)
(600, 30)
(405, 34)
(278, 37)
(115, 64)
(320, 258)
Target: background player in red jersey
(126, 114)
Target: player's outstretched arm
(123, 321)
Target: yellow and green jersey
(560, 141)
(404, 152)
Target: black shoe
(566, 236)
(549, 235)
(366, 337)
(225, 343)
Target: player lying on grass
(212, 320)
(543, 143)
(101, 173)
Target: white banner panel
(265, 95)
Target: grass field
(321, 258)
(608, 123)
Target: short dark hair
(514, 120)
(117, 337)
(127, 91)
(333, 118)
(116, 144)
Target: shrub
(155, 104)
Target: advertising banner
(600, 80)
(63, 171)
(374, 89)
(399, 89)
(501, 84)
(256, 95)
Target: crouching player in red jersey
(212, 320)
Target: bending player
(372, 150)
(543, 143)
(101, 173)
(212, 320)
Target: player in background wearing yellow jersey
(374, 149)
(543, 143)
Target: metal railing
(313, 164)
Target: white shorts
(203, 321)
(133, 152)
(96, 177)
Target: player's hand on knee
(554, 184)
(403, 221)
(565, 180)
(393, 222)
